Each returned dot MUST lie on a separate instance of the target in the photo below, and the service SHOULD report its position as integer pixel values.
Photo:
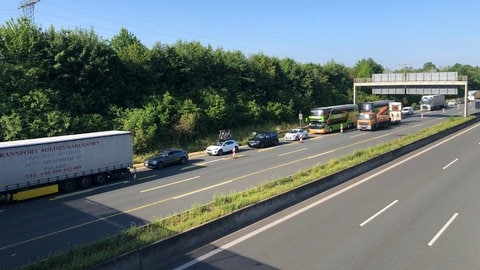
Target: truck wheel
(68, 185)
(84, 182)
(100, 179)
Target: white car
(452, 103)
(295, 134)
(407, 111)
(222, 147)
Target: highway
(417, 212)
(32, 230)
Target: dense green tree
(364, 68)
(84, 72)
(338, 82)
(135, 68)
(71, 81)
(190, 122)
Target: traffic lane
(256, 169)
(131, 204)
(125, 213)
(98, 203)
(400, 238)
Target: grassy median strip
(139, 236)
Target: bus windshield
(318, 112)
(316, 124)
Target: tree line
(58, 82)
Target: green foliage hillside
(57, 82)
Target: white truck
(36, 167)
(432, 102)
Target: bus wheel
(84, 182)
(68, 185)
(100, 179)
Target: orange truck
(374, 115)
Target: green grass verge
(139, 236)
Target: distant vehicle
(407, 111)
(222, 147)
(432, 102)
(166, 157)
(451, 103)
(395, 109)
(295, 134)
(263, 139)
(473, 94)
(332, 118)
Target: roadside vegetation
(139, 236)
(64, 81)
(60, 82)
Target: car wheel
(159, 165)
(220, 152)
(183, 160)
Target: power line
(28, 7)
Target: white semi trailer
(432, 102)
(37, 167)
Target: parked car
(263, 139)
(407, 111)
(222, 147)
(166, 157)
(295, 134)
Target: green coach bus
(332, 118)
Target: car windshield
(293, 131)
(365, 116)
(260, 136)
(219, 144)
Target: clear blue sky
(392, 33)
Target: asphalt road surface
(420, 211)
(34, 229)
